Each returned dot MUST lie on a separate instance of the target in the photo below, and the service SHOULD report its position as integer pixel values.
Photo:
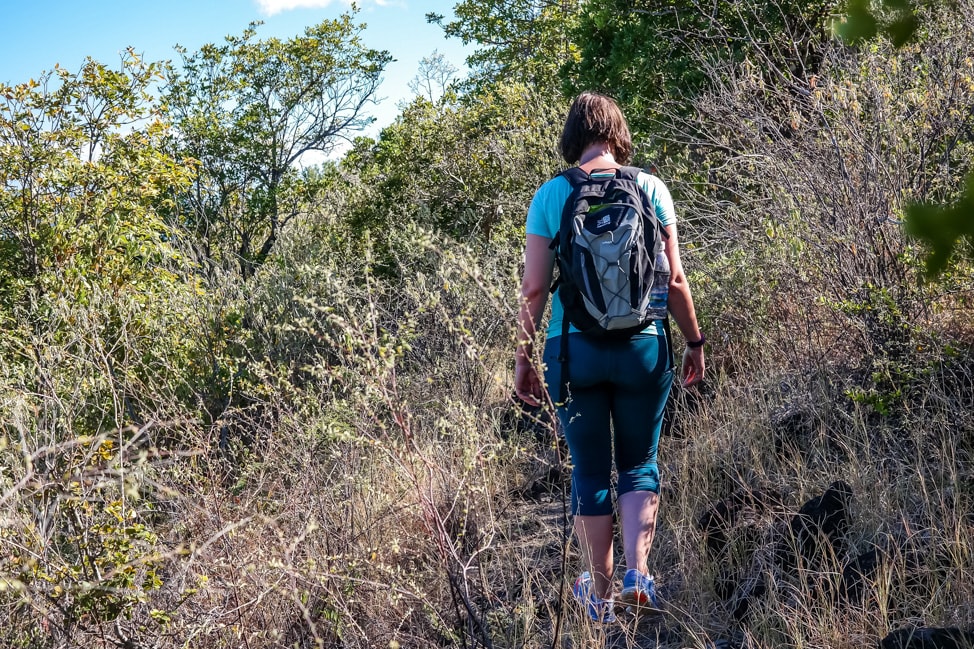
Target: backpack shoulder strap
(632, 173)
(577, 179)
(575, 176)
(629, 173)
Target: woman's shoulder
(553, 192)
(546, 206)
(660, 197)
(654, 186)
(649, 181)
(557, 184)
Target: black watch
(698, 343)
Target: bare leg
(638, 509)
(595, 537)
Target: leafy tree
(943, 226)
(519, 40)
(87, 259)
(248, 111)
(83, 183)
(480, 159)
(655, 58)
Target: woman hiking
(625, 381)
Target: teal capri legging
(626, 382)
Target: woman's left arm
(681, 307)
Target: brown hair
(594, 117)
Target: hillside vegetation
(246, 403)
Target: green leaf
(942, 227)
(902, 30)
(858, 24)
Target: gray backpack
(613, 273)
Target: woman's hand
(693, 366)
(526, 383)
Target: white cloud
(271, 7)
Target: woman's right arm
(539, 261)
(681, 307)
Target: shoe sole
(639, 602)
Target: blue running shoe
(639, 591)
(600, 610)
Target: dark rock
(928, 638)
(550, 474)
(733, 641)
(717, 522)
(793, 427)
(681, 408)
(859, 573)
(920, 563)
(725, 525)
(825, 517)
(750, 591)
(548, 477)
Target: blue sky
(36, 34)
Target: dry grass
(395, 495)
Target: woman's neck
(597, 154)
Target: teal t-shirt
(544, 219)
